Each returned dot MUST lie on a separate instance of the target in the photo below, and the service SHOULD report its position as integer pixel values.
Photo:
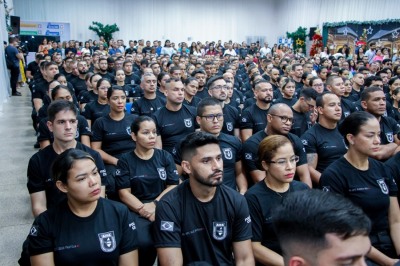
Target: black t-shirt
(203, 93)
(231, 149)
(99, 239)
(79, 85)
(95, 110)
(34, 68)
(132, 79)
(40, 88)
(262, 202)
(87, 97)
(204, 231)
(174, 126)
(301, 123)
(107, 75)
(147, 179)
(393, 165)
(195, 101)
(231, 119)
(389, 129)
(115, 136)
(250, 150)
(347, 108)
(369, 189)
(327, 143)
(288, 102)
(254, 118)
(145, 106)
(39, 172)
(45, 134)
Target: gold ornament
(299, 42)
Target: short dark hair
(64, 162)
(213, 79)
(365, 94)
(55, 90)
(135, 126)
(196, 140)
(199, 71)
(206, 102)
(305, 217)
(308, 94)
(114, 88)
(352, 123)
(60, 105)
(319, 102)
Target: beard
(83, 72)
(207, 181)
(267, 100)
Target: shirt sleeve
(246, 122)
(242, 224)
(97, 130)
(122, 174)
(256, 217)
(309, 143)
(299, 150)
(249, 156)
(40, 239)
(129, 240)
(36, 182)
(83, 127)
(331, 182)
(43, 131)
(172, 173)
(167, 228)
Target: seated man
(201, 221)
(318, 228)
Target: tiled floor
(16, 147)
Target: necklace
(282, 193)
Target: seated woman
(112, 135)
(84, 229)
(367, 183)
(100, 107)
(143, 176)
(288, 89)
(277, 158)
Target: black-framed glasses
(220, 87)
(284, 162)
(284, 119)
(211, 117)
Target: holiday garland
(7, 16)
(298, 37)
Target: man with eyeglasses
(279, 122)
(210, 117)
(253, 117)
(175, 120)
(149, 102)
(323, 142)
(218, 90)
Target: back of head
(304, 218)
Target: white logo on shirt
(389, 136)
(248, 219)
(248, 156)
(228, 153)
(162, 173)
(128, 130)
(188, 122)
(229, 126)
(382, 185)
(33, 231)
(107, 241)
(167, 226)
(132, 225)
(220, 230)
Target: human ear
(62, 187)
(186, 167)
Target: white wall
(202, 20)
(157, 19)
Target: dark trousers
(14, 78)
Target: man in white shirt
(265, 50)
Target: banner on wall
(41, 28)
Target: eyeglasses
(219, 87)
(212, 117)
(283, 162)
(284, 119)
